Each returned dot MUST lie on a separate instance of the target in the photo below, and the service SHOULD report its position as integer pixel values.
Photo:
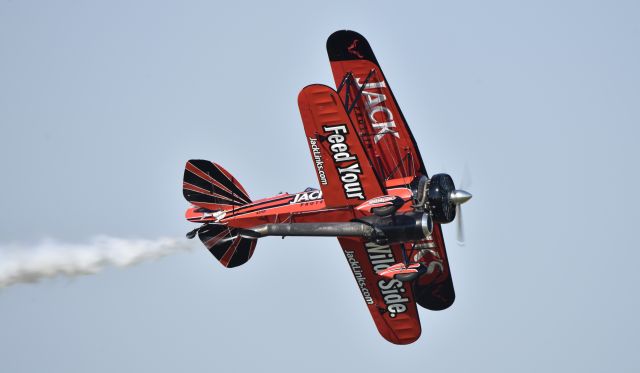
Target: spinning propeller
(459, 197)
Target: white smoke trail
(21, 264)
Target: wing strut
(349, 81)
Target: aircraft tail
(206, 184)
(209, 186)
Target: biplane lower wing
(390, 302)
(344, 172)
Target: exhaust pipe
(353, 229)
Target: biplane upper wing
(384, 133)
(345, 174)
(391, 302)
(368, 98)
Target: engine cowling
(434, 196)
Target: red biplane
(375, 196)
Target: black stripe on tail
(226, 245)
(207, 184)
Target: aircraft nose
(459, 196)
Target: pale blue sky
(101, 103)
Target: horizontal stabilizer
(230, 248)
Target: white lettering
(349, 174)
(375, 104)
(381, 258)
